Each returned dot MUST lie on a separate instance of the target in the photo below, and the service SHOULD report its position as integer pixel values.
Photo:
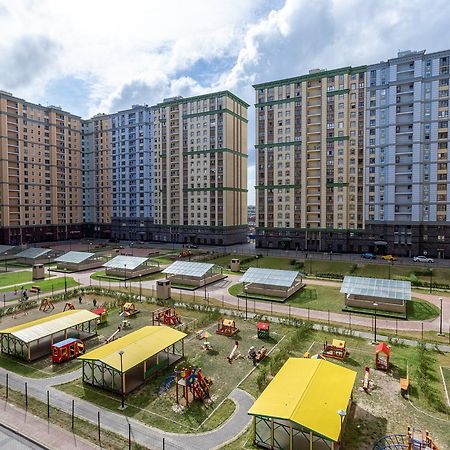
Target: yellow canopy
(338, 343)
(308, 392)
(228, 323)
(48, 325)
(136, 346)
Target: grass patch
(12, 278)
(101, 275)
(46, 285)
(421, 310)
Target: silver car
(423, 259)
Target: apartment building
(310, 160)
(40, 172)
(97, 175)
(132, 174)
(407, 177)
(200, 163)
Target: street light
(375, 326)
(131, 246)
(48, 258)
(342, 415)
(440, 320)
(431, 281)
(65, 284)
(257, 262)
(122, 393)
(6, 262)
(125, 266)
(246, 300)
(140, 287)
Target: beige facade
(200, 148)
(97, 174)
(40, 172)
(309, 154)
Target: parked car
(368, 256)
(192, 246)
(389, 258)
(423, 259)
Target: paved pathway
(147, 436)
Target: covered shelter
(126, 267)
(193, 274)
(271, 283)
(36, 255)
(304, 406)
(376, 294)
(77, 261)
(34, 339)
(146, 352)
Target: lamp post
(65, 284)
(125, 267)
(431, 281)
(375, 325)
(246, 300)
(140, 287)
(131, 246)
(440, 320)
(6, 262)
(390, 265)
(122, 393)
(257, 261)
(342, 415)
(48, 259)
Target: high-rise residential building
(310, 159)
(356, 159)
(97, 175)
(407, 179)
(200, 163)
(40, 172)
(132, 174)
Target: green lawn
(101, 275)
(446, 374)
(46, 285)
(11, 278)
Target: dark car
(368, 256)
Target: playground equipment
(35, 289)
(185, 254)
(69, 307)
(263, 330)
(103, 315)
(335, 350)
(235, 353)
(129, 309)
(412, 440)
(366, 379)
(67, 349)
(166, 316)
(227, 327)
(113, 336)
(46, 304)
(192, 381)
(382, 353)
(404, 383)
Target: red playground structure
(67, 349)
(263, 329)
(167, 316)
(192, 382)
(382, 353)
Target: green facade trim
(204, 97)
(277, 102)
(278, 144)
(312, 76)
(215, 189)
(217, 150)
(337, 185)
(337, 138)
(340, 91)
(279, 186)
(217, 111)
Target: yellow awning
(308, 392)
(137, 347)
(338, 343)
(48, 325)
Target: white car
(423, 259)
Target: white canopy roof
(270, 277)
(74, 257)
(125, 262)
(187, 268)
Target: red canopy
(263, 325)
(99, 311)
(382, 347)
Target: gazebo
(77, 261)
(126, 363)
(35, 255)
(193, 275)
(260, 283)
(304, 406)
(126, 267)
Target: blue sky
(101, 56)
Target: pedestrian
(94, 302)
(80, 299)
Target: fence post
(48, 404)
(98, 426)
(222, 300)
(271, 308)
(26, 395)
(238, 304)
(129, 436)
(308, 314)
(396, 327)
(73, 413)
(422, 331)
(350, 319)
(289, 307)
(164, 444)
(328, 317)
(7, 385)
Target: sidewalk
(39, 431)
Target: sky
(103, 56)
